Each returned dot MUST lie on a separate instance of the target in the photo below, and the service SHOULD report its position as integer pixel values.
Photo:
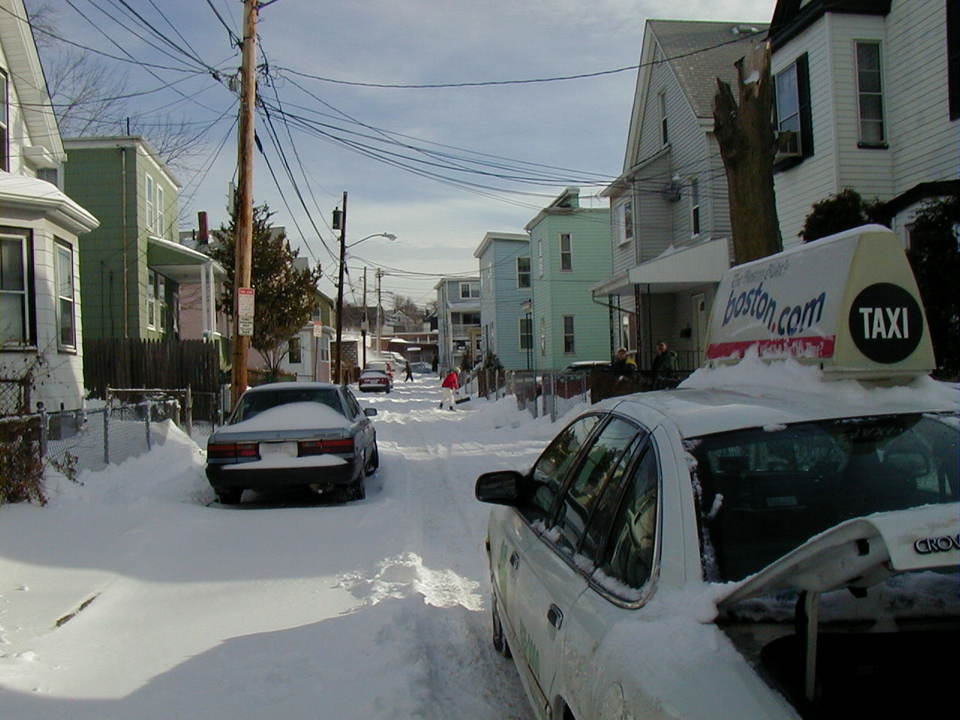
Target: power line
(524, 81)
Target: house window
(540, 257)
(543, 336)
(526, 333)
(16, 313)
(66, 311)
(4, 122)
(662, 105)
(624, 216)
(869, 94)
(695, 206)
(151, 299)
(568, 344)
(469, 290)
(161, 303)
(794, 121)
(324, 349)
(151, 203)
(161, 213)
(953, 57)
(566, 253)
(523, 272)
(294, 353)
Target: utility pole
(364, 323)
(244, 240)
(379, 311)
(340, 221)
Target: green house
(132, 266)
(569, 252)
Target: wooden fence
(135, 363)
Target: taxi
(778, 538)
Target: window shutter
(806, 114)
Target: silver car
(302, 434)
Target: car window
(254, 403)
(628, 559)
(551, 468)
(590, 479)
(765, 491)
(352, 404)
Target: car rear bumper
(238, 478)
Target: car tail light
(232, 451)
(331, 445)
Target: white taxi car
(769, 541)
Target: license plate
(288, 449)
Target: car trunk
(861, 621)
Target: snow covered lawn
(284, 607)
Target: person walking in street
(409, 372)
(449, 386)
(663, 367)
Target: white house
(670, 218)
(868, 98)
(40, 313)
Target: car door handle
(514, 560)
(555, 616)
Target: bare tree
(744, 131)
(88, 92)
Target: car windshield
(765, 491)
(254, 403)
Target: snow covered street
(135, 595)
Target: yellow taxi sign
(848, 302)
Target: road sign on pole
(245, 303)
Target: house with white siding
(570, 253)
(670, 218)
(40, 227)
(505, 280)
(868, 98)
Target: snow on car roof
(292, 386)
(756, 393)
(292, 416)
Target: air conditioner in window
(788, 144)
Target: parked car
(375, 378)
(768, 541)
(586, 366)
(647, 509)
(300, 434)
(421, 367)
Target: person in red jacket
(450, 384)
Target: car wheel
(374, 461)
(499, 640)
(228, 497)
(357, 489)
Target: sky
(554, 134)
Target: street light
(340, 222)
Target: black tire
(228, 496)
(374, 462)
(357, 489)
(499, 640)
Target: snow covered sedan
(374, 380)
(300, 434)
(682, 554)
(778, 538)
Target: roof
(704, 411)
(100, 142)
(697, 69)
(40, 195)
(293, 386)
(492, 237)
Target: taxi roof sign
(848, 302)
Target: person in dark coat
(409, 372)
(664, 366)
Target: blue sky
(577, 125)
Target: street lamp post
(340, 223)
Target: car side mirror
(501, 487)
(369, 412)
